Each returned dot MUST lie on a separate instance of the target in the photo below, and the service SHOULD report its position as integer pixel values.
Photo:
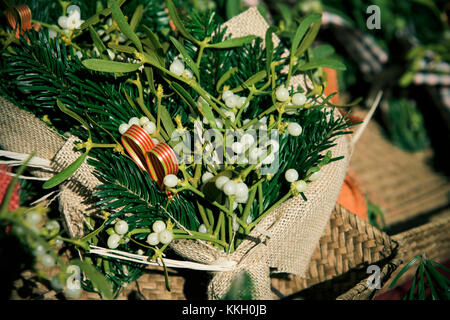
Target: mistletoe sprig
(172, 85)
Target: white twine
(45, 198)
(26, 177)
(18, 159)
(366, 120)
(221, 264)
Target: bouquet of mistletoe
(163, 128)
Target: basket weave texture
(401, 183)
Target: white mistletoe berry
(79, 54)
(143, 121)
(52, 226)
(149, 127)
(237, 147)
(229, 188)
(255, 154)
(121, 227)
(170, 180)
(232, 101)
(275, 145)
(227, 204)
(39, 250)
(52, 34)
(241, 103)
(165, 236)
(73, 20)
(113, 241)
(301, 186)
(159, 226)
(207, 176)
(202, 228)
(47, 260)
(247, 140)
(33, 218)
(123, 128)
(227, 94)
(134, 120)
(220, 182)
(241, 190)
(294, 129)
(177, 67)
(188, 73)
(315, 176)
(298, 99)
(229, 114)
(282, 94)
(153, 239)
(291, 175)
(111, 54)
(242, 199)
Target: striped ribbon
(24, 14)
(158, 160)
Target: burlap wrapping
(290, 233)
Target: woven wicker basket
(337, 269)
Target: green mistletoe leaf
(177, 21)
(66, 173)
(326, 63)
(98, 280)
(233, 43)
(123, 25)
(110, 66)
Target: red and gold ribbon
(158, 160)
(24, 14)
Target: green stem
(215, 203)
(260, 199)
(222, 230)
(47, 25)
(210, 217)
(158, 116)
(230, 222)
(205, 220)
(199, 57)
(262, 114)
(249, 98)
(219, 224)
(76, 242)
(201, 237)
(283, 199)
(249, 204)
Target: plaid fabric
(371, 57)
(432, 73)
(361, 47)
(432, 79)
